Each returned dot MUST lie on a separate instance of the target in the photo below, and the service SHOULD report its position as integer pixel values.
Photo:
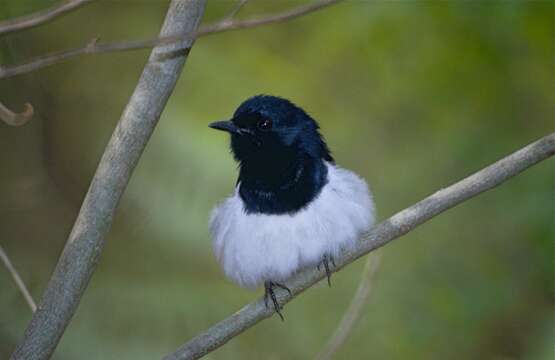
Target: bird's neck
(284, 184)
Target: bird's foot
(270, 294)
(326, 260)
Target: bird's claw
(269, 293)
(326, 260)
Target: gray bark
(81, 253)
(390, 229)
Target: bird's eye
(264, 124)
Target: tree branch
(231, 24)
(85, 243)
(235, 9)
(17, 279)
(392, 228)
(40, 17)
(354, 310)
(226, 24)
(16, 119)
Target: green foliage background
(412, 95)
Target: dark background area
(411, 95)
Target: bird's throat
(281, 186)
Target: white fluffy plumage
(253, 248)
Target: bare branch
(86, 241)
(92, 47)
(40, 17)
(224, 25)
(17, 279)
(392, 228)
(354, 310)
(100, 48)
(16, 119)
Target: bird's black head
(269, 128)
(280, 151)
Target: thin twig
(235, 10)
(108, 47)
(390, 229)
(92, 47)
(86, 240)
(40, 17)
(354, 311)
(17, 279)
(16, 119)
(287, 15)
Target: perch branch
(16, 119)
(107, 47)
(354, 311)
(17, 279)
(392, 228)
(86, 240)
(40, 17)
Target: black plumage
(280, 152)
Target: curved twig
(16, 119)
(354, 311)
(17, 279)
(226, 24)
(40, 17)
(86, 241)
(390, 229)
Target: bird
(293, 207)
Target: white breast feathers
(253, 248)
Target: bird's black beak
(228, 126)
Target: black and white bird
(292, 207)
